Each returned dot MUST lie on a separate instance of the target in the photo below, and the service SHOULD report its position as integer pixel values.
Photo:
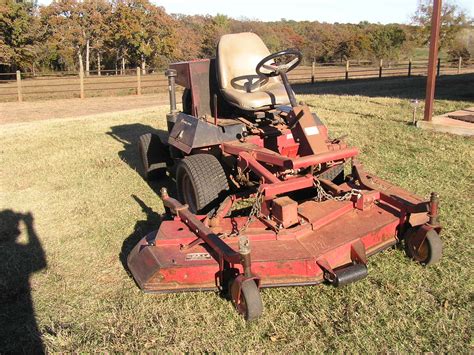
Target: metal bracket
(328, 273)
(358, 254)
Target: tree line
(115, 34)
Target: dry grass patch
(77, 178)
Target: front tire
(201, 182)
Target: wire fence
(40, 86)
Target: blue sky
(383, 11)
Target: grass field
(72, 205)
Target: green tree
(386, 41)
(453, 20)
(95, 14)
(140, 32)
(18, 36)
(212, 30)
(64, 33)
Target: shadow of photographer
(18, 261)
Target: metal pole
(409, 68)
(431, 80)
(171, 74)
(173, 114)
(312, 72)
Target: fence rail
(27, 86)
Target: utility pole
(433, 59)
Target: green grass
(77, 181)
(422, 53)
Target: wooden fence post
(81, 80)
(312, 71)
(347, 69)
(459, 65)
(409, 68)
(139, 82)
(18, 86)
(438, 70)
(380, 68)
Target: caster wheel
(429, 252)
(250, 304)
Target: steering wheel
(274, 69)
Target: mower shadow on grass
(128, 135)
(18, 261)
(449, 87)
(141, 228)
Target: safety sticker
(197, 256)
(311, 131)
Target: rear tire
(201, 182)
(154, 156)
(335, 174)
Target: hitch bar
(223, 250)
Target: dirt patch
(42, 110)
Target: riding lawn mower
(265, 198)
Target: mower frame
(284, 241)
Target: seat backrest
(237, 57)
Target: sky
(344, 11)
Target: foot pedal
(349, 274)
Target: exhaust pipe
(171, 116)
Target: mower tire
(154, 156)
(430, 250)
(335, 174)
(250, 304)
(201, 182)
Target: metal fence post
(380, 68)
(312, 71)
(459, 65)
(409, 68)
(438, 70)
(81, 81)
(347, 69)
(139, 82)
(18, 86)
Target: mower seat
(237, 57)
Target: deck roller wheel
(250, 302)
(349, 274)
(429, 252)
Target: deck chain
(323, 195)
(254, 212)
